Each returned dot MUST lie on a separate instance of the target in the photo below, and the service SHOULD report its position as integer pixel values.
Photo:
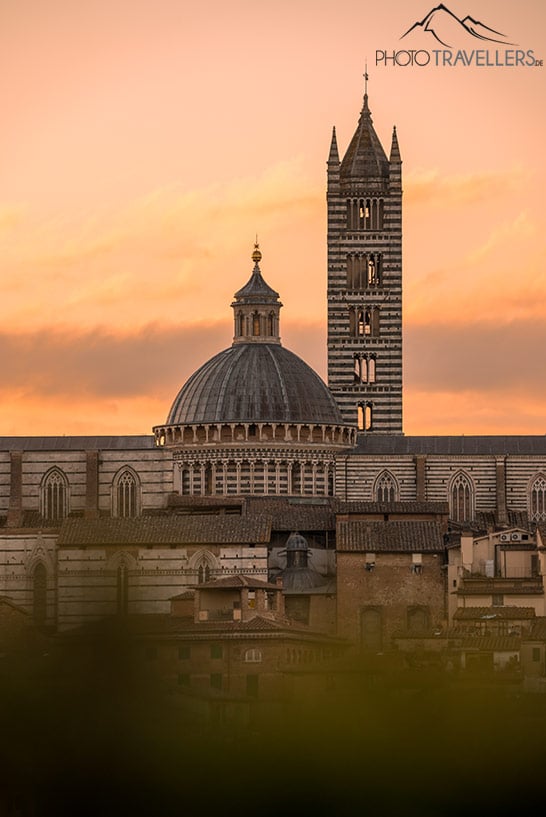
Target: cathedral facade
(256, 447)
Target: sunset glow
(146, 143)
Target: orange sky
(145, 142)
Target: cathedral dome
(256, 394)
(255, 383)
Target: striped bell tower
(365, 280)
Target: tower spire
(333, 156)
(365, 280)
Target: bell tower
(365, 280)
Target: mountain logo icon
(447, 28)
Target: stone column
(502, 511)
(92, 484)
(15, 507)
(421, 477)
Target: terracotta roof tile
(393, 507)
(166, 530)
(492, 613)
(389, 537)
(237, 580)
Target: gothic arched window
(126, 494)
(537, 499)
(203, 572)
(385, 488)
(461, 497)
(54, 495)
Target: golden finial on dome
(256, 255)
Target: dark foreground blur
(93, 735)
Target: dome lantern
(256, 308)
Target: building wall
(391, 588)
(356, 476)
(19, 556)
(153, 469)
(88, 580)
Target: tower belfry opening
(364, 197)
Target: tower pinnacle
(256, 255)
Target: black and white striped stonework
(365, 280)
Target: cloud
(471, 379)
(424, 186)
(164, 256)
(495, 281)
(10, 216)
(471, 412)
(488, 359)
(519, 229)
(101, 364)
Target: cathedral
(264, 482)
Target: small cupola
(256, 308)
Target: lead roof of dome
(254, 382)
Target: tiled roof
(185, 595)
(492, 613)
(235, 581)
(288, 515)
(393, 507)
(102, 443)
(163, 624)
(490, 519)
(166, 530)
(488, 643)
(459, 445)
(390, 537)
(484, 586)
(538, 629)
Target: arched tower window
(537, 499)
(361, 325)
(385, 488)
(461, 497)
(256, 324)
(240, 324)
(360, 369)
(371, 369)
(39, 594)
(54, 495)
(372, 271)
(126, 494)
(368, 416)
(365, 416)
